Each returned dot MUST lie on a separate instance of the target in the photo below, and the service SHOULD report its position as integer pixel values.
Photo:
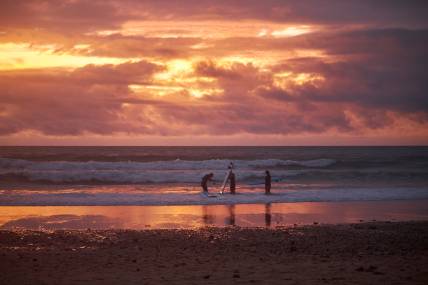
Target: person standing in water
(268, 182)
(232, 182)
(204, 182)
(227, 177)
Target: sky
(272, 72)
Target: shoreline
(373, 252)
(151, 196)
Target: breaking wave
(174, 171)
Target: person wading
(204, 182)
(268, 182)
(232, 182)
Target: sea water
(58, 176)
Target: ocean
(58, 176)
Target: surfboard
(223, 185)
(210, 195)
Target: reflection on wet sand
(60, 222)
(231, 220)
(207, 218)
(268, 215)
(251, 215)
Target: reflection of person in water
(231, 221)
(268, 215)
(204, 182)
(207, 218)
(268, 182)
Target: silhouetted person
(268, 182)
(204, 182)
(232, 183)
(229, 170)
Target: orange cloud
(212, 68)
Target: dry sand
(367, 253)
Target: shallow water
(78, 176)
(244, 215)
(341, 166)
(157, 195)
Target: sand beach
(363, 253)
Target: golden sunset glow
(28, 56)
(205, 30)
(283, 79)
(213, 142)
(296, 71)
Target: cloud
(353, 96)
(90, 15)
(64, 16)
(122, 74)
(381, 69)
(353, 72)
(62, 102)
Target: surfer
(204, 182)
(227, 177)
(232, 182)
(268, 182)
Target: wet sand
(365, 253)
(191, 216)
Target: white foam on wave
(194, 197)
(220, 164)
(148, 176)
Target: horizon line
(364, 145)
